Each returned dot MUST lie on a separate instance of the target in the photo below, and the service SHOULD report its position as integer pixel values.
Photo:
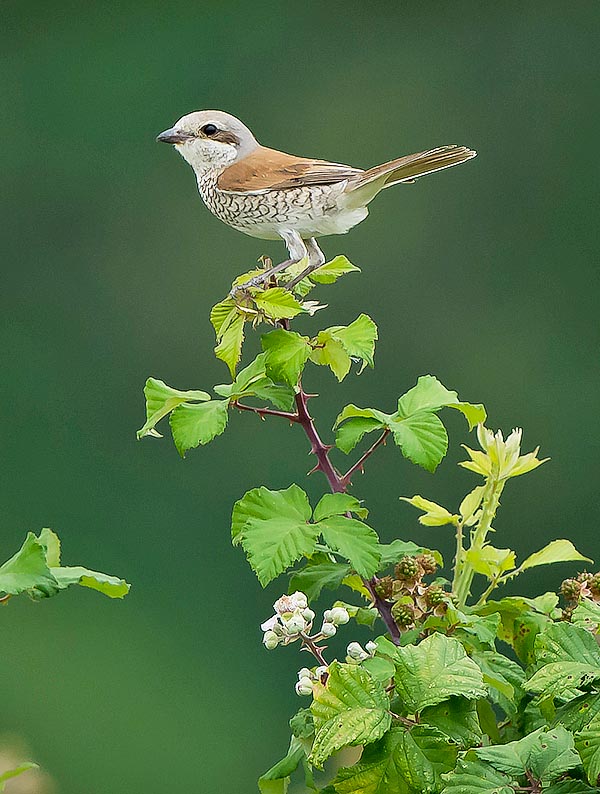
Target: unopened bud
(299, 600)
(295, 624)
(339, 616)
(304, 673)
(321, 671)
(371, 647)
(327, 616)
(304, 687)
(270, 640)
(356, 652)
(308, 615)
(328, 629)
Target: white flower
(304, 687)
(328, 629)
(338, 616)
(269, 624)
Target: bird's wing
(267, 169)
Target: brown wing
(267, 169)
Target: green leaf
(570, 787)
(311, 579)
(545, 754)
(557, 551)
(111, 586)
(27, 571)
(262, 504)
(422, 438)
(364, 616)
(491, 562)
(336, 504)
(349, 434)
(252, 381)
(276, 779)
(198, 424)
(576, 714)
(587, 615)
(161, 400)
(302, 724)
(331, 271)
(394, 551)
(504, 677)
(457, 719)
(587, 742)
(475, 777)
(229, 347)
(435, 670)
(434, 515)
(276, 531)
(567, 658)
(356, 541)
(222, 315)
(352, 709)
(330, 352)
(357, 339)
(278, 303)
(403, 762)
(380, 668)
(430, 395)
(286, 353)
(483, 630)
(18, 770)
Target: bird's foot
(260, 278)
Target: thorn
(310, 396)
(313, 470)
(328, 446)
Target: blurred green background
(485, 275)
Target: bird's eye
(209, 129)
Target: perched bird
(269, 194)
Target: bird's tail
(406, 169)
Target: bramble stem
(311, 646)
(291, 417)
(346, 478)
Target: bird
(268, 194)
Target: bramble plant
(463, 693)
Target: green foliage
(36, 570)
(464, 693)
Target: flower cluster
(500, 459)
(413, 599)
(293, 620)
(307, 677)
(585, 585)
(355, 653)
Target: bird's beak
(174, 136)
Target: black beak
(174, 136)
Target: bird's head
(210, 139)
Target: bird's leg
(316, 258)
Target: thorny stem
(291, 417)
(311, 646)
(347, 477)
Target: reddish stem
(266, 411)
(346, 478)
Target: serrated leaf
(356, 541)
(15, 772)
(161, 400)
(470, 504)
(504, 677)
(262, 504)
(403, 762)
(434, 515)
(587, 615)
(252, 381)
(110, 586)
(587, 742)
(349, 434)
(422, 438)
(380, 668)
(435, 670)
(576, 714)
(358, 338)
(314, 577)
(302, 724)
(430, 395)
(192, 425)
(336, 504)
(352, 709)
(274, 530)
(286, 353)
(570, 787)
(277, 303)
(392, 552)
(276, 779)
(545, 754)
(331, 271)
(475, 777)
(229, 347)
(27, 571)
(491, 562)
(557, 551)
(457, 719)
(329, 352)
(222, 315)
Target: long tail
(408, 169)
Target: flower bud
(371, 647)
(270, 640)
(304, 673)
(339, 616)
(308, 615)
(327, 616)
(304, 687)
(299, 600)
(328, 629)
(295, 624)
(356, 652)
(321, 671)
